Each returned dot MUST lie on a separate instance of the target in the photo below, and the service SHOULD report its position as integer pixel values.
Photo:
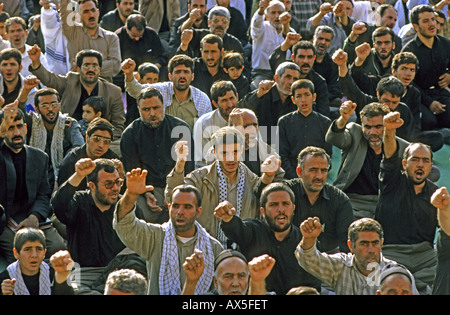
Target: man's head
(93, 107)
(304, 55)
(231, 274)
(228, 144)
(47, 104)
(148, 73)
(372, 123)
(440, 21)
(383, 42)
(29, 248)
(125, 7)
(224, 96)
(387, 15)
(277, 206)
(181, 72)
(197, 4)
(365, 238)
(184, 209)
(286, 74)
(16, 29)
(211, 48)
(10, 64)
(304, 96)
(323, 36)
(3, 17)
(104, 182)
(16, 134)
(404, 67)
(99, 136)
(125, 282)
(389, 91)
(218, 20)
(395, 280)
(273, 12)
(417, 162)
(89, 64)
(423, 20)
(348, 6)
(250, 125)
(151, 107)
(135, 26)
(312, 168)
(89, 14)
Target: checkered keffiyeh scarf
(20, 287)
(169, 273)
(223, 192)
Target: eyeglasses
(97, 139)
(86, 66)
(48, 105)
(110, 184)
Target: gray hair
(281, 69)
(220, 11)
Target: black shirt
(366, 183)
(77, 114)
(406, 217)
(255, 238)
(10, 97)
(20, 194)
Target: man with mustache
(115, 19)
(25, 192)
(354, 273)
(404, 209)
(361, 152)
(88, 215)
(432, 77)
(274, 235)
(149, 143)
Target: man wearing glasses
(88, 215)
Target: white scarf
(38, 139)
(20, 287)
(223, 192)
(169, 273)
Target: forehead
(388, 95)
(301, 91)
(249, 118)
(198, 2)
(373, 121)
(426, 15)
(181, 67)
(275, 8)
(102, 175)
(232, 265)
(279, 195)
(153, 101)
(90, 59)
(228, 94)
(383, 38)
(291, 73)
(230, 147)
(101, 133)
(407, 65)
(89, 5)
(32, 244)
(390, 12)
(315, 160)
(304, 52)
(208, 46)
(184, 197)
(10, 60)
(419, 151)
(15, 27)
(324, 34)
(48, 98)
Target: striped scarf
(20, 287)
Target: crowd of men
(183, 147)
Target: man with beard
(76, 87)
(361, 150)
(166, 247)
(408, 218)
(181, 99)
(273, 99)
(268, 27)
(148, 143)
(115, 19)
(49, 129)
(207, 68)
(433, 53)
(226, 179)
(224, 98)
(355, 273)
(304, 55)
(89, 35)
(314, 196)
(88, 215)
(25, 191)
(274, 235)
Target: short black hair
(97, 103)
(88, 53)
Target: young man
(274, 235)
(355, 273)
(162, 245)
(227, 178)
(115, 19)
(30, 274)
(301, 128)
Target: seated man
(88, 216)
(274, 235)
(25, 192)
(162, 246)
(126, 282)
(30, 274)
(395, 281)
(252, 276)
(99, 136)
(355, 273)
(225, 179)
(404, 209)
(162, 131)
(301, 128)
